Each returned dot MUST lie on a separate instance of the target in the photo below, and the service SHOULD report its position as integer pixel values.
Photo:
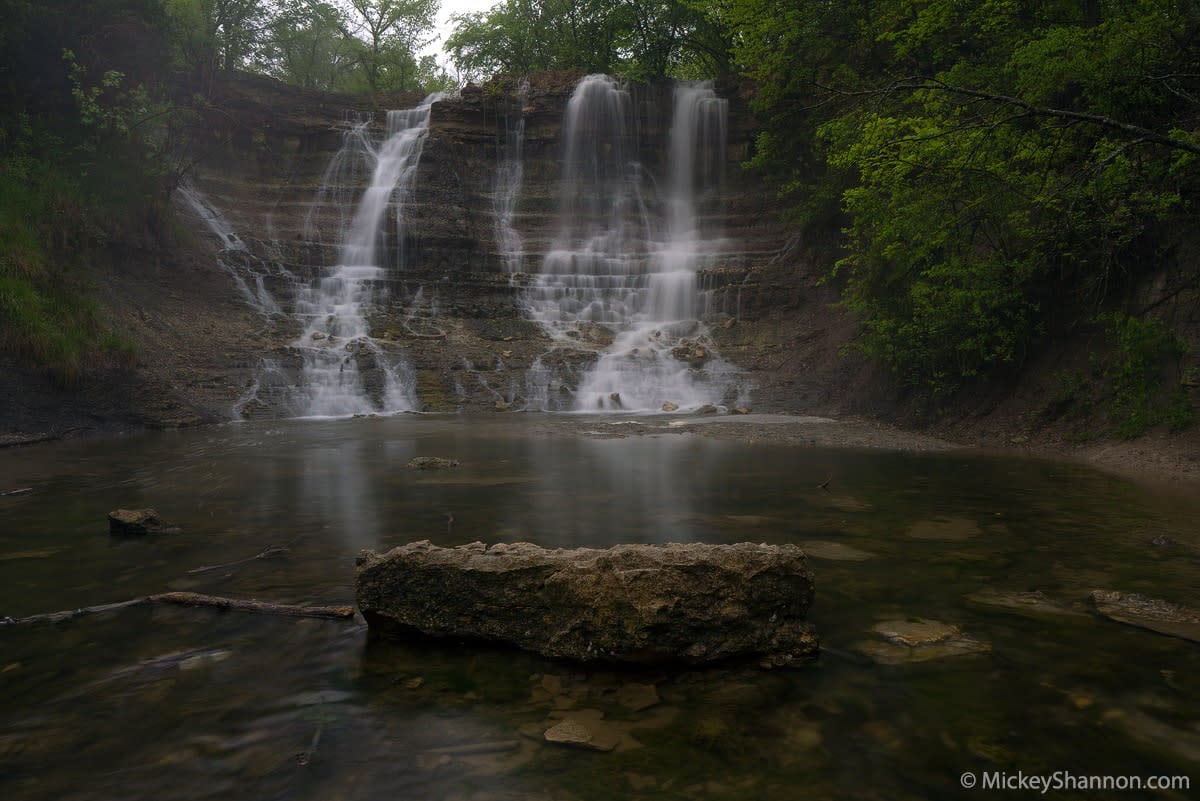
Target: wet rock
(950, 529)
(690, 353)
(670, 407)
(636, 697)
(1029, 604)
(1148, 613)
(692, 603)
(431, 463)
(137, 522)
(707, 408)
(918, 640)
(917, 632)
(592, 735)
(835, 551)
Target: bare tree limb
(932, 84)
(192, 599)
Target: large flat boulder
(692, 603)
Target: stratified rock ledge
(690, 603)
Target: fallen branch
(265, 553)
(261, 607)
(58, 617)
(192, 599)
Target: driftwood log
(191, 599)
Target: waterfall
(247, 270)
(336, 345)
(620, 279)
(509, 175)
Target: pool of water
(164, 703)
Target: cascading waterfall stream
(621, 276)
(509, 175)
(246, 269)
(336, 344)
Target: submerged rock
(431, 463)
(1148, 613)
(137, 522)
(918, 640)
(692, 603)
(590, 735)
(1030, 604)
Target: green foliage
(999, 169)
(393, 31)
(1143, 372)
(639, 39)
(309, 44)
(46, 316)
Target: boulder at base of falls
(691, 603)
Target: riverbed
(996, 555)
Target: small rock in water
(707, 408)
(1152, 614)
(137, 522)
(952, 529)
(670, 407)
(835, 551)
(616, 399)
(1030, 604)
(576, 735)
(636, 697)
(431, 463)
(918, 640)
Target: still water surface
(165, 703)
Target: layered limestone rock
(452, 298)
(692, 603)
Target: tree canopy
(999, 169)
(334, 45)
(635, 38)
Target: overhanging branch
(933, 84)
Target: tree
(393, 32)
(636, 38)
(217, 35)
(309, 44)
(999, 169)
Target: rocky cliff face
(449, 305)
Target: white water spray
(621, 277)
(509, 176)
(336, 344)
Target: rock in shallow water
(692, 603)
(1148, 613)
(137, 522)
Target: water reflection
(170, 704)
